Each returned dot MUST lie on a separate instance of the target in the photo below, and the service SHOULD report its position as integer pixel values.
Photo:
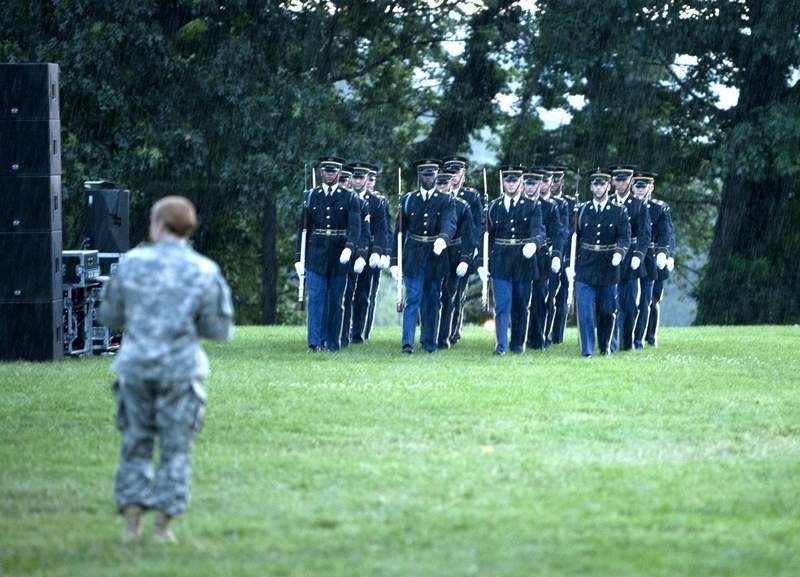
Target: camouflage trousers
(171, 411)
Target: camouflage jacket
(165, 297)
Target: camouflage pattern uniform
(165, 297)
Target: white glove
(570, 272)
(661, 260)
(555, 265)
(616, 259)
(670, 264)
(439, 245)
(385, 262)
(635, 262)
(529, 249)
(358, 266)
(461, 269)
(483, 273)
(345, 256)
(395, 270)
(374, 260)
(299, 268)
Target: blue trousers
(562, 306)
(645, 298)
(597, 310)
(325, 309)
(655, 312)
(622, 337)
(511, 304)
(538, 314)
(449, 306)
(458, 310)
(423, 297)
(347, 308)
(373, 298)
(553, 284)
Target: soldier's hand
(635, 262)
(358, 266)
(395, 270)
(483, 273)
(385, 262)
(345, 256)
(529, 249)
(461, 269)
(555, 265)
(670, 264)
(616, 259)
(570, 272)
(661, 260)
(299, 269)
(374, 260)
(439, 245)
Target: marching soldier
(359, 284)
(604, 235)
(458, 166)
(165, 297)
(426, 219)
(631, 268)
(372, 178)
(331, 216)
(663, 275)
(459, 259)
(534, 181)
(657, 253)
(515, 234)
(567, 206)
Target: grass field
(681, 460)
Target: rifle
(301, 286)
(399, 300)
(573, 246)
(485, 281)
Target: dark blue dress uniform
(641, 225)
(537, 326)
(562, 306)
(423, 221)
(662, 275)
(334, 223)
(473, 198)
(376, 273)
(601, 234)
(511, 273)
(459, 250)
(359, 285)
(659, 243)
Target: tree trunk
(269, 261)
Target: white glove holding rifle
(395, 270)
(299, 268)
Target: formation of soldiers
(534, 244)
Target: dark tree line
(229, 103)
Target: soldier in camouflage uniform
(165, 296)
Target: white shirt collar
(329, 189)
(507, 201)
(600, 205)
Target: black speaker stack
(31, 300)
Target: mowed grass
(680, 460)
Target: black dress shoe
(443, 345)
(408, 350)
(500, 353)
(313, 349)
(356, 340)
(517, 351)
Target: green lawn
(681, 460)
